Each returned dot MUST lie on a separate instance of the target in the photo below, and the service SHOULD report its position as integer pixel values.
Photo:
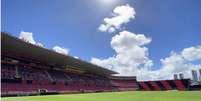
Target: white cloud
(192, 53)
(120, 15)
(176, 63)
(103, 28)
(131, 54)
(76, 57)
(39, 44)
(27, 36)
(61, 50)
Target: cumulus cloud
(28, 37)
(76, 57)
(131, 54)
(61, 50)
(120, 15)
(39, 44)
(177, 63)
(192, 53)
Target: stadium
(28, 69)
(100, 50)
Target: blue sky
(172, 24)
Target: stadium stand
(33, 79)
(165, 85)
(124, 83)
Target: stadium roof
(123, 77)
(14, 45)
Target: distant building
(175, 76)
(181, 76)
(200, 73)
(194, 75)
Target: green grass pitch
(116, 96)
